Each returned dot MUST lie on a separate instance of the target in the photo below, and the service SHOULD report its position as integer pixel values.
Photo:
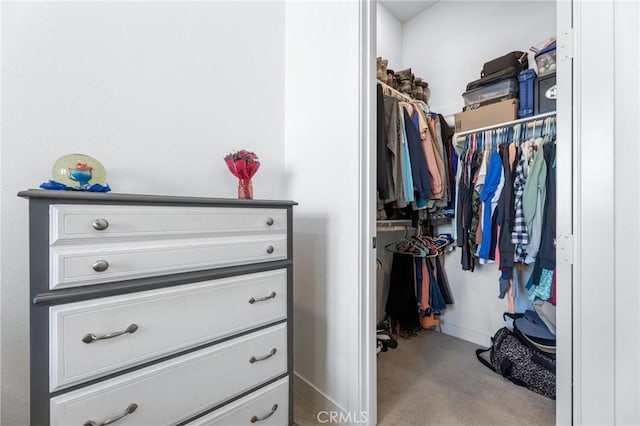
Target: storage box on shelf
(159, 310)
(486, 115)
(546, 61)
(491, 93)
(546, 92)
(526, 80)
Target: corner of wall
(1, 143)
(317, 399)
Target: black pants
(401, 303)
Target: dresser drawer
(83, 264)
(160, 322)
(175, 390)
(268, 406)
(81, 222)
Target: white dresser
(156, 310)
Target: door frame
(568, 200)
(565, 208)
(367, 373)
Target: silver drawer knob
(100, 224)
(269, 221)
(270, 249)
(130, 409)
(100, 265)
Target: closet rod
(507, 123)
(397, 93)
(393, 222)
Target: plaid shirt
(519, 234)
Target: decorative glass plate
(79, 172)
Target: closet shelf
(507, 123)
(393, 225)
(397, 94)
(440, 220)
(404, 224)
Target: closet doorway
(405, 56)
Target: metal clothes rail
(527, 121)
(393, 225)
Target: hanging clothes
(422, 284)
(407, 173)
(394, 151)
(452, 165)
(401, 163)
(419, 285)
(382, 151)
(440, 146)
(436, 301)
(419, 172)
(437, 149)
(533, 200)
(430, 157)
(489, 195)
(516, 183)
(519, 234)
(506, 212)
(402, 305)
(546, 258)
(442, 279)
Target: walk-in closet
(466, 211)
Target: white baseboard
(473, 336)
(318, 401)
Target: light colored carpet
(435, 379)
(303, 414)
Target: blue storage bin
(546, 61)
(526, 80)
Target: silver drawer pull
(270, 249)
(92, 337)
(259, 419)
(269, 221)
(100, 265)
(262, 299)
(262, 358)
(100, 224)
(130, 409)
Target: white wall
(322, 131)
(158, 92)
(449, 42)
(388, 37)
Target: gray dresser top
(101, 197)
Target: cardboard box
(487, 115)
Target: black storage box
(491, 93)
(545, 94)
(511, 72)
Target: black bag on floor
(520, 362)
